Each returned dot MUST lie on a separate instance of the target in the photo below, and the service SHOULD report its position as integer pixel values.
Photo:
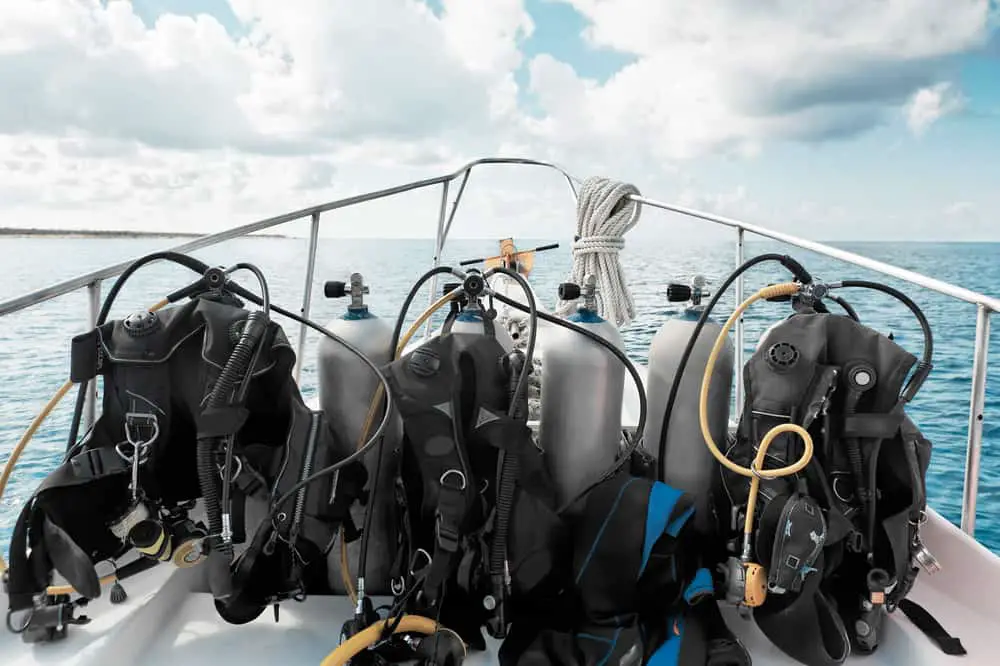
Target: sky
(834, 120)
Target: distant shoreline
(83, 233)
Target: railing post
(974, 448)
(94, 308)
(739, 325)
(307, 293)
(438, 247)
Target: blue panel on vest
(700, 585)
(662, 499)
(669, 653)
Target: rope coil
(604, 215)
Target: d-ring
(239, 470)
(449, 472)
(413, 560)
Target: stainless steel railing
(986, 305)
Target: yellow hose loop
(756, 467)
(755, 472)
(8, 468)
(767, 292)
(345, 574)
(368, 637)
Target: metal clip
(239, 470)
(925, 559)
(139, 420)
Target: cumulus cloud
(928, 105)
(111, 120)
(725, 75)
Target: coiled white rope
(603, 215)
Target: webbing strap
(926, 623)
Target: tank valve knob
(474, 285)
(678, 293)
(335, 289)
(215, 277)
(569, 291)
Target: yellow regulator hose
(345, 573)
(363, 639)
(8, 468)
(755, 472)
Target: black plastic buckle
(855, 542)
(447, 534)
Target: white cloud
(106, 121)
(725, 75)
(929, 105)
(960, 209)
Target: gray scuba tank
(688, 464)
(581, 395)
(346, 388)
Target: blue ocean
(34, 343)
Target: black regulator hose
(851, 312)
(926, 362)
(397, 330)
(800, 273)
(520, 365)
(221, 554)
(168, 255)
(227, 393)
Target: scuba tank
(346, 389)
(686, 463)
(467, 314)
(582, 385)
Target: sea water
(34, 343)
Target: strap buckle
(134, 424)
(447, 534)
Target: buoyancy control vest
(633, 591)
(839, 540)
(159, 371)
(479, 531)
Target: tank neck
(358, 312)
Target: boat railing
(985, 305)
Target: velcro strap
(221, 421)
(97, 463)
(448, 518)
(932, 628)
(875, 426)
(84, 357)
(249, 481)
(238, 513)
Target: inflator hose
(368, 637)
(800, 273)
(221, 554)
(755, 472)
